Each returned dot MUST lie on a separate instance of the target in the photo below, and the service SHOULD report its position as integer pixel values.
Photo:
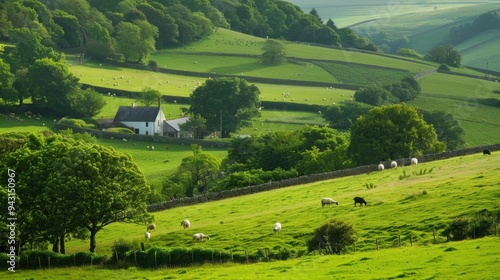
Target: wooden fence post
(376, 241)
(232, 258)
(39, 262)
(116, 254)
(49, 261)
(156, 262)
(411, 240)
(434, 234)
(399, 240)
(246, 255)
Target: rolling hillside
(327, 66)
(407, 200)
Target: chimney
(133, 104)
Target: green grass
(417, 262)
(481, 51)
(157, 163)
(456, 186)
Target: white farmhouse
(141, 119)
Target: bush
(76, 123)
(482, 224)
(45, 259)
(457, 229)
(152, 63)
(444, 67)
(333, 237)
(119, 250)
(120, 130)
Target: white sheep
(328, 201)
(147, 235)
(200, 237)
(151, 227)
(394, 164)
(380, 167)
(185, 224)
(414, 161)
(277, 227)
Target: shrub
(76, 122)
(119, 250)
(152, 63)
(482, 224)
(444, 67)
(333, 237)
(457, 229)
(120, 130)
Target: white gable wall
(148, 128)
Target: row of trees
(383, 133)
(67, 188)
(131, 30)
(485, 22)
(31, 70)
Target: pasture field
(157, 163)
(407, 200)
(471, 259)
(468, 100)
(352, 12)
(481, 51)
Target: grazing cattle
(486, 152)
(277, 228)
(328, 201)
(359, 200)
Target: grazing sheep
(185, 224)
(328, 201)
(394, 164)
(200, 237)
(151, 227)
(147, 235)
(359, 200)
(380, 167)
(486, 152)
(414, 161)
(277, 228)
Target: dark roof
(136, 114)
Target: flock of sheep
(277, 226)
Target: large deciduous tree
(86, 103)
(149, 96)
(225, 103)
(445, 54)
(136, 40)
(391, 132)
(274, 51)
(68, 186)
(447, 128)
(50, 83)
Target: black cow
(486, 152)
(359, 200)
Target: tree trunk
(62, 245)
(93, 233)
(55, 245)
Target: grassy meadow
(481, 51)
(350, 13)
(417, 262)
(407, 200)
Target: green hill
(407, 200)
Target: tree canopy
(391, 132)
(226, 104)
(70, 187)
(274, 51)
